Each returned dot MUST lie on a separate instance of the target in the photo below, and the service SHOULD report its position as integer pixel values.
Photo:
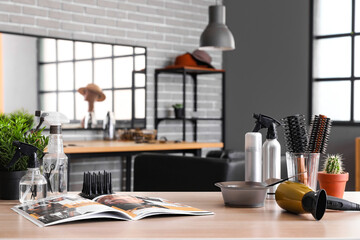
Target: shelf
(192, 72)
(190, 119)
(189, 70)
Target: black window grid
(133, 122)
(352, 77)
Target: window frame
(352, 77)
(133, 122)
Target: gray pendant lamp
(217, 35)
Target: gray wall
(19, 55)
(268, 71)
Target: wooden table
(267, 222)
(80, 147)
(127, 149)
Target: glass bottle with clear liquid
(56, 164)
(32, 184)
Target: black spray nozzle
(41, 120)
(25, 149)
(263, 121)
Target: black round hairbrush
(296, 137)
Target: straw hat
(95, 89)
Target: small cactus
(333, 164)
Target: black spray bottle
(33, 183)
(271, 151)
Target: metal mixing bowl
(243, 194)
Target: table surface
(101, 146)
(266, 222)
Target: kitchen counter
(266, 222)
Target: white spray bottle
(271, 151)
(55, 161)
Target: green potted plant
(179, 110)
(333, 178)
(15, 127)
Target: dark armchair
(161, 172)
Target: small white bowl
(243, 194)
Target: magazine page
(140, 207)
(54, 210)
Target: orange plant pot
(334, 184)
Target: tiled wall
(166, 27)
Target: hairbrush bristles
(295, 133)
(320, 130)
(96, 184)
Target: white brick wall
(166, 27)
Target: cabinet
(193, 72)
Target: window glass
(83, 73)
(103, 73)
(332, 16)
(122, 104)
(139, 63)
(47, 50)
(81, 107)
(123, 68)
(67, 104)
(139, 80)
(123, 50)
(66, 76)
(83, 50)
(139, 103)
(357, 101)
(139, 50)
(48, 77)
(357, 56)
(332, 98)
(101, 108)
(48, 102)
(102, 50)
(332, 57)
(65, 50)
(357, 15)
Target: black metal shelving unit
(193, 72)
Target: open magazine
(67, 208)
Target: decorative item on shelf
(198, 59)
(217, 35)
(178, 110)
(16, 126)
(333, 178)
